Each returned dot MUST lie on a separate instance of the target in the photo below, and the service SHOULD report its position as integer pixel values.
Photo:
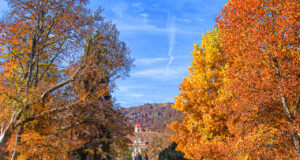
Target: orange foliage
(260, 40)
(51, 86)
(242, 95)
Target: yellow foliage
(204, 128)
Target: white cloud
(127, 20)
(136, 95)
(162, 74)
(137, 4)
(145, 15)
(148, 61)
(138, 26)
(200, 19)
(132, 27)
(124, 88)
(186, 20)
(120, 9)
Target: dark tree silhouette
(170, 153)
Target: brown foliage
(59, 61)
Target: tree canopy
(241, 97)
(204, 128)
(59, 61)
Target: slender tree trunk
(292, 128)
(286, 109)
(30, 64)
(14, 155)
(3, 139)
(6, 132)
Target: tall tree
(105, 133)
(50, 85)
(260, 39)
(203, 131)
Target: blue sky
(160, 35)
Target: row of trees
(59, 61)
(242, 95)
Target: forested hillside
(154, 117)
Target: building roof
(138, 123)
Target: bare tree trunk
(3, 139)
(6, 131)
(292, 128)
(36, 70)
(14, 155)
(286, 109)
(30, 65)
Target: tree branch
(2, 127)
(50, 90)
(3, 134)
(296, 107)
(75, 124)
(52, 111)
(14, 98)
(16, 143)
(30, 67)
(286, 107)
(51, 62)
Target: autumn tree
(203, 132)
(59, 61)
(260, 39)
(105, 133)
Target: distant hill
(153, 116)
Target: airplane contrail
(171, 29)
